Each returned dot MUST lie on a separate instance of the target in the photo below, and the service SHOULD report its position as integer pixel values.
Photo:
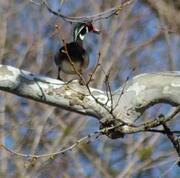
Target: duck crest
(80, 30)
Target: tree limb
(139, 93)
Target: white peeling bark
(147, 89)
(139, 93)
(73, 96)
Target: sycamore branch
(138, 94)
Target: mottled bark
(123, 107)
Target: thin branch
(144, 44)
(123, 88)
(170, 168)
(100, 16)
(94, 70)
(161, 119)
(107, 93)
(51, 155)
(162, 131)
(121, 93)
(148, 125)
(36, 3)
(109, 90)
(109, 98)
(102, 131)
(60, 5)
(173, 138)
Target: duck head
(81, 29)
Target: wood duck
(74, 52)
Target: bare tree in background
(123, 101)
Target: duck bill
(95, 30)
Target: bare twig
(170, 168)
(36, 3)
(51, 155)
(60, 5)
(166, 130)
(145, 43)
(173, 138)
(94, 70)
(123, 88)
(162, 131)
(100, 16)
(109, 90)
(107, 93)
(151, 124)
